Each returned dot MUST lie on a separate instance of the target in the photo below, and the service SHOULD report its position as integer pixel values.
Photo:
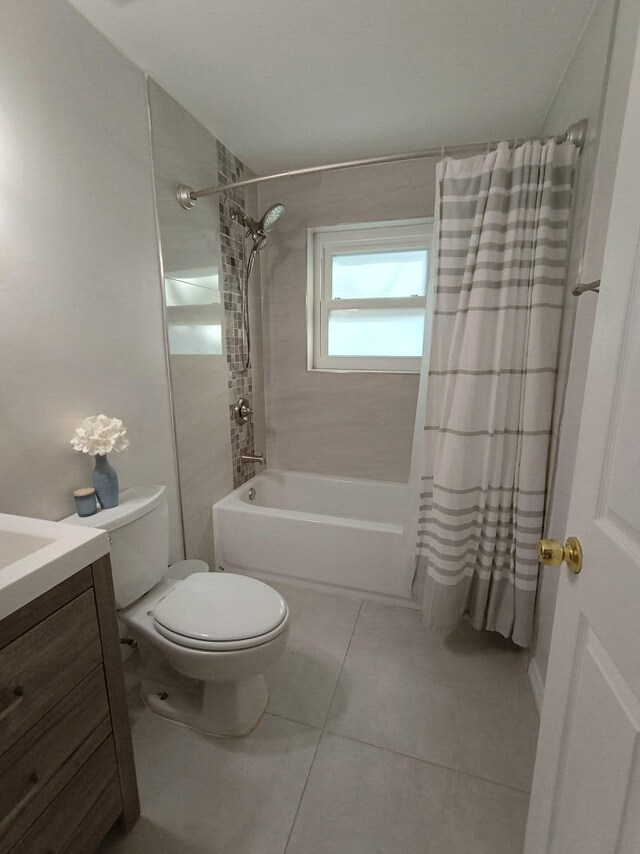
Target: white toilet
(206, 641)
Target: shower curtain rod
(187, 196)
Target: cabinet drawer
(43, 761)
(40, 667)
(77, 808)
(105, 811)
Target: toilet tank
(139, 532)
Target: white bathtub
(342, 533)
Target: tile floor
(379, 738)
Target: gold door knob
(552, 552)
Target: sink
(14, 546)
(36, 555)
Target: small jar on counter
(85, 499)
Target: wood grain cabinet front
(41, 666)
(66, 760)
(71, 817)
(43, 761)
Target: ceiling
(290, 83)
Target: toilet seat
(220, 611)
(219, 646)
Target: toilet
(205, 638)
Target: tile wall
(184, 151)
(348, 423)
(204, 245)
(240, 380)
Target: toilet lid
(221, 606)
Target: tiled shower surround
(240, 383)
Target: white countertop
(36, 555)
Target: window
(366, 296)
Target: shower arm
(187, 196)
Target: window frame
(323, 243)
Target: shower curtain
(502, 244)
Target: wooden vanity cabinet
(66, 761)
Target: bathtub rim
(234, 500)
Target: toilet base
(225, 709)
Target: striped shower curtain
(500, 276)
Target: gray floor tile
(364, 800)
(204, 795)
(462, 701)
(303, 681)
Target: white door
(586, 787)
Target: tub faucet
(253, 458)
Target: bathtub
(335, 533)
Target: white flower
(99, 434)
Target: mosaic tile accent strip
(240, 382)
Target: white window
(367, 287)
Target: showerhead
(259, 243)
(259, 228)
(272, 216)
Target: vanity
(67, 773)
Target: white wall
(595, 85)
(80, 304)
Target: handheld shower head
(258, 228)
(259, 233)
(272, 216)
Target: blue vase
(105, 482)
